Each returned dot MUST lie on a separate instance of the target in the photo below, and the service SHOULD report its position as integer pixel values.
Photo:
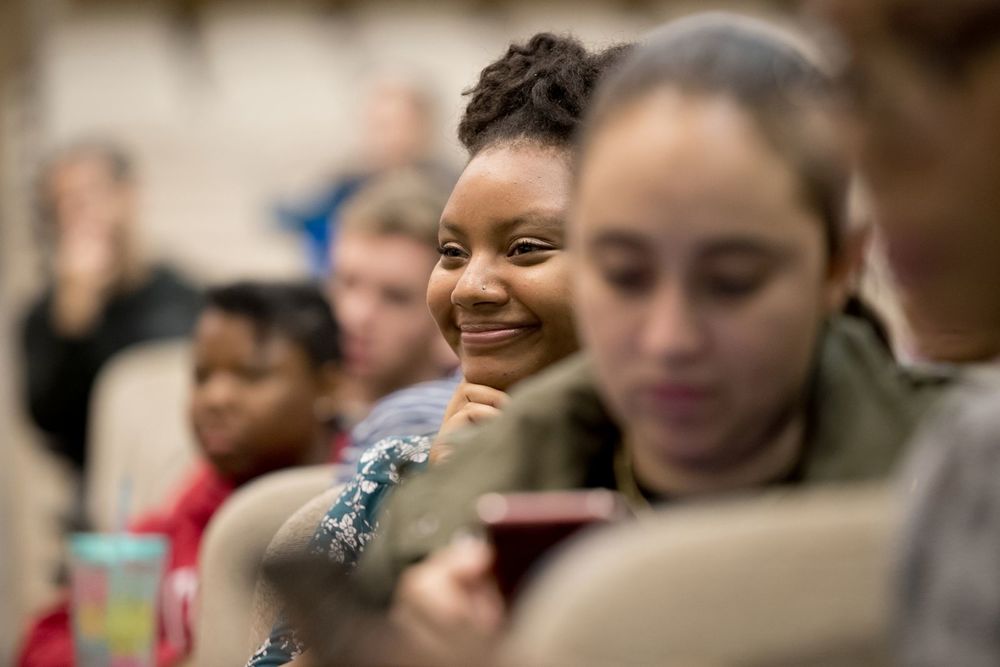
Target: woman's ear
(845, 269)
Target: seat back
(139, 430)
(800, 579)
(292, 538)
(231, 556)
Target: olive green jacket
(557, 434)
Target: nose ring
(484, 287)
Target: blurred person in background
(922, 106)
(946, 602)
(500, 289)
(385, 249)
(922, 112)
(708, 222)
(397, 131)
(266, 361)
(103, 294)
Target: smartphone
(523, 527)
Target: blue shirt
(415, 410)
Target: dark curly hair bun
(538, 91)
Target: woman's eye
(627, 279)
(450, 251)
(524, 247)
(398, 297)
(253, 373)
(733, 286)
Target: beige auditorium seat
(797, 579)
(293, 537)
(232, 552)
(139, 430)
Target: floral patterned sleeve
(350, 524)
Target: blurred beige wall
(33, 485)
(246, 106)
(12, 57)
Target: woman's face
(500, 292)
(922, 121)
(701, 280)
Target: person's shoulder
(165, 306)
(413, 410)
(950, 540)
(963, 432)
(565, 390)
(164, 278)
(430, 390)
(36, 312)
(560, 407)
(854, 355)
(196, 498)
(389, 452)
(865, 406)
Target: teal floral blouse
(349, 525)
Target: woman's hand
(85, 271)
(447, 609)
(471, 404)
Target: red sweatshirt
(49, 642)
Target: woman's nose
(673, 329)
(480, 284)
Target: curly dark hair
(297, 311)
(538, 91)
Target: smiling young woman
(500, 291)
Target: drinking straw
(124, 502)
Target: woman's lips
(678, 401)
(490, 335)
(915, 260)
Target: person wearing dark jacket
(102, 295)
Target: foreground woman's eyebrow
(743, 247)
(618, 240)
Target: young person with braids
(500, 292)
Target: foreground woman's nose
(672, 328)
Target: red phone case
(523, 527)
